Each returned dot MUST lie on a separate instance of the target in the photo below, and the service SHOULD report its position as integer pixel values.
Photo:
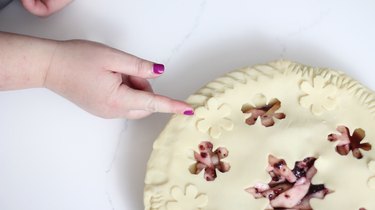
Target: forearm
(24, 61)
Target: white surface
(55, 156)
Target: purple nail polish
(158, 68)
(189, 112)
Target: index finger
(141, 100)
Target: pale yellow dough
(315, 102)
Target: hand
(107, 82)
(44, 8)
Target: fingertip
(189, 112)
(158, 68)
(184, 109)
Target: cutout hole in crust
(266, 112)
(290, 188)
(209, 160)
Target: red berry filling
(209, 161)
(290, 189)
(347, 142)
(266, 113)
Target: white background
(54, 155)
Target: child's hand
(107, 82)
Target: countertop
(53, 155)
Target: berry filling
(209, 160)
(347, 142)
(290, 189)
(266, 113)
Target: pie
(275, 136)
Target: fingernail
(158, 68)
(189, 112)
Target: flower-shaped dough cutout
(347, 142)
(213, 118)
(210, 161)
(290, 189)
(263, 110)
(371, 181)
(319, 96)
(187, 199)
